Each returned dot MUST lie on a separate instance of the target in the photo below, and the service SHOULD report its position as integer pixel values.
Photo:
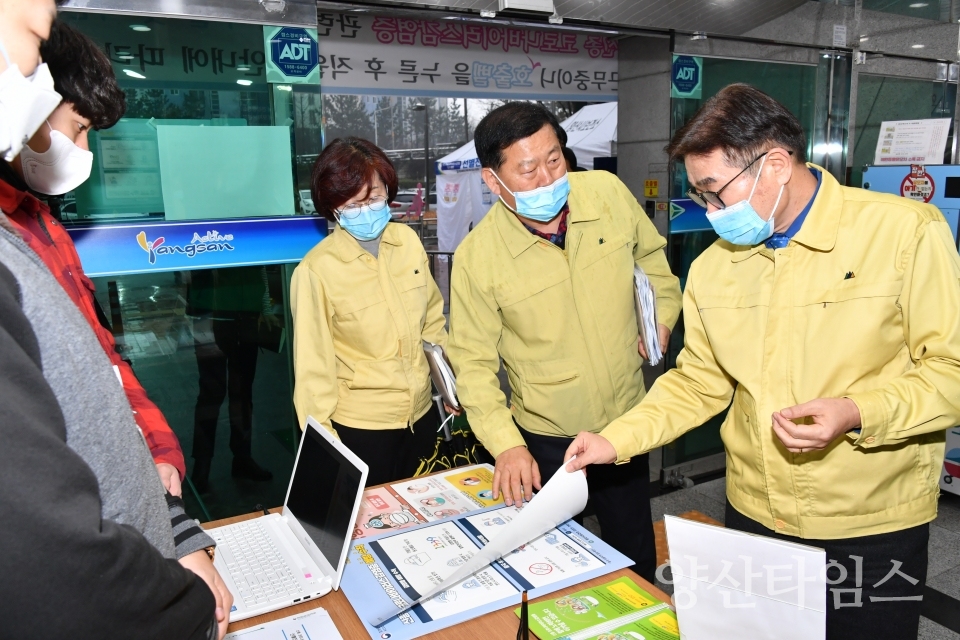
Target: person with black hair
(571, 160)
(824, 322)
(545, 283)
(89, 433)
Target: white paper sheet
(304, 626)
(730, 585)
(563, 497)
(647, 321)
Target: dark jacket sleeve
(67, 572)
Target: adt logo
(294, 51)
(149, 247)
(686, 74)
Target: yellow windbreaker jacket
(359, 323)
(563, 321)
(863, 303)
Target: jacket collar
(819, 230)
(516, 236)
(349, 249)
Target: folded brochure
(618, 610)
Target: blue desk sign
(117, 249)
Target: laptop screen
(322, 495)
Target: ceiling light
(864, 38)
(134, 74)
(245, 83)
(140, 27)
(488, 14)
(699, 35)
(125, 56)
(916, 46)
(282, 87)
(918, 5)
(243, 67)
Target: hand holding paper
(563, 497)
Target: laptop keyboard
(259, 571)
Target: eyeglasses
(352, 210)
(704, 198)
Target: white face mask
(61, 168)
(24, 105)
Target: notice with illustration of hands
(426, 578)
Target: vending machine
(938, 185)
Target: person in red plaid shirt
(57, 160)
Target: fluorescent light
(243, 67)
(282, 87)
(916, 46)
(140, 27)
(864, 38)
(919, 5)
(134, 74)
(125, 56)
(245, 83)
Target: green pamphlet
(618, 610)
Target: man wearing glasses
(828, 316)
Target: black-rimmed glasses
(704, 198)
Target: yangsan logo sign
(210, 241)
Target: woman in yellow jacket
(363, 300)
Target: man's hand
(516, 476)
(664, 335)
(451, 410)
(170, 478)
(590, 448)
(832, 417)
(201, 564)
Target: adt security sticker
(293, 56)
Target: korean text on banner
(401, 56)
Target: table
(498, 624)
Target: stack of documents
(647, 320)
(442, 373)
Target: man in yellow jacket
(545, 282)
(828, 316)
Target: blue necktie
(778, 241)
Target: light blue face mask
(740, 223)
(542, 204)
(367, 222)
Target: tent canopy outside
(462, 197)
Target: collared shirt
(359, 326)
(49, 240)
(780, 240)
(863, 303)
(563, 322)
(559, 237)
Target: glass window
(793, 85)
(211, 347)
(204, 134)
(885, 98)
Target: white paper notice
(730, 585)
(912, 142)
(304, 626)
(564, 496)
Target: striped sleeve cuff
(188, 537)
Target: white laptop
(276, 561)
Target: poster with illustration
(617, 610)
(396, 568)
(426, 499)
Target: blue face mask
(368, 222)
(541, 204)
(740, 223)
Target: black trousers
(227, 366)
(879, 599)
(620, 495)
(393, 454)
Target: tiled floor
(943, 572)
